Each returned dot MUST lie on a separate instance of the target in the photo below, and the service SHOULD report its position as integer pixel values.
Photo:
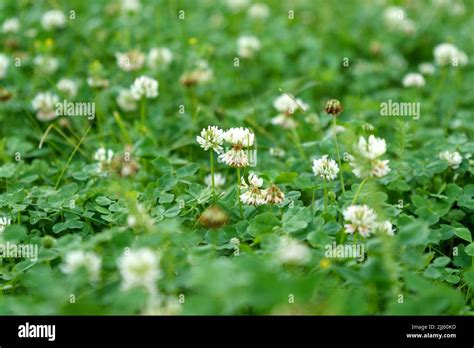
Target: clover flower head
(384, 227)
(253, 194)
(360, 218)
(46, 64)
(4, 63)
(144, 87)
(159, 57)
(247, 46)
(68, 87)
(139, 268)
(11, 25)
(211, 137)
(130, 61)
(219, 180)
(447, 54)
(258, 11)
(325, 168)
(44, 104)
(126, 100)
(291, 251)
(273, 195)
(53, 19)
(413, 80)
(75, 260)
(454, 158)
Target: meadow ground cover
(236, 157)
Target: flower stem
(298, 145)
(238, 193)
(143, 114)
(325, 199)
(312, 203)
(211, 158)
(358, 190)
(338, 155)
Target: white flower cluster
(395, 19)
(159, 57)
(365, 162)
(44, 104)
(4, 63)
(130, 61)
(363, 220)
(454, 159)
(139, 268)
(144, 87)
(287, 105)
(239, 139)
(46, 64)
(126, 100)
(200, 74)
(104, 157)
(248, 46)
(219, 180)
(413, 80)
(447, 54)
(291, 251)
(53, 19)
(11, 26)
(68, 87)
(258, 11)
(211, 137)
(254, 195)
(326, 168)
(426, 68)
(79, 259)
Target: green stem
(143, 113)
(211, 159)
(325, 199)
(358, 190)
(70, 158)
(298, 145)
(238, 193)
(312, 203)
(338, 155)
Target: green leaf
(469, 249)
(415, 233)
(441, 261)
(162, 164)
(285, 178)
(14, 233)
(295, 219)
(187, 170)
(262, 224)
(463, 233)
(102, 200)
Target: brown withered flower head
(213, 217)
(333, 107)
(273, 195)
(5, 94)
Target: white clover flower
(253, 194)
(144, 87)
(97, 82)
(75, 260)
(426, 68)
(162, 306)
(379, 168)
(201, 74)
(454, 158)
(258, 11)
(325, 168)
(239, 139)
(126, 100)
(395, 19)
(44, 105)
(11, 25)
(104, 157)
(237, 5)
(4, 63)
(413, 80)
(219, 180)
(139, 268)
(360, 218)
(159, 57)
(277, 152)
(273, 195)
(248, 46)
(373, 148)
(448, 54)
(384, 227)
(131, 6)
(288, 104)
(46, 64)
(211, 137)
(53, 19)
(291, 251)
(235, 241)
(130, 61)
(68, 87)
